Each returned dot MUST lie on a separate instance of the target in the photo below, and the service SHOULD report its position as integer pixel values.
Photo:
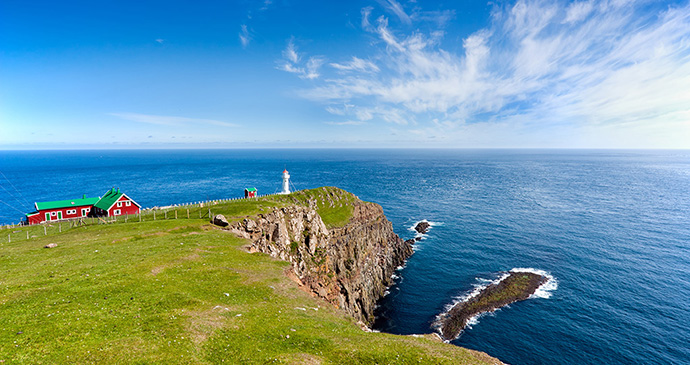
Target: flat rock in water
(516, 287)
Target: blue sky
(379, 73)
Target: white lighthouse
(286, 182)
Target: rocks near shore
(422, 227)
(515, 287)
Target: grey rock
(220, 220)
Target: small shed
(250, 193)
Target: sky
(112, 74)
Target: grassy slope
(177, 291)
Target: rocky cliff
(350, 266)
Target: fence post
(9, 238)
(60, 226)
(140, 216)
(45, 231)
(209, 213)
(187, 213)
(154, 215)
(165, 214)
(175, 213)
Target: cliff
(348, 265)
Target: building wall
(121, 207)
(67, 213)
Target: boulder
(422, 227)
(220, 220)
(50, 245)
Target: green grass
(178, 291)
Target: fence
(194, 210)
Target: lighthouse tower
(286, 182)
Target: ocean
(612, 228)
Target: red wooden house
(250, 192)
(113, 203)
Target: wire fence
(194, 210)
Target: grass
(179, 291)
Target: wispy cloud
(170, 120)
(397, 9)
(292, 62)
(356, 64)
(609, 67)
(244, 35)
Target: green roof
(65, 203)
(108, 199)
(250, 189)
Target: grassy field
(180, 291)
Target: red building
(250, 192)
(113, 203)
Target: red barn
(113, 203)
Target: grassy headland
(182, 291)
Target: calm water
(613, 228)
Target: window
(128, 203)
(53, 214)
(116, 212)
(71, 211)
(119, 204)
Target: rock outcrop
(349, 266)
(516, 286)
(422, 227)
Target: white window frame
(71, 211)
(84, 212)
(53, 213)
(117, 212)
(119, 204)
(128, 203)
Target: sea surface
(611, 227)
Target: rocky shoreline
(515, 287)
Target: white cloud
(245, 38)
(169, 120)
(571, 69)
(577, 11)
(292, 62)
(356, 64)
(397, 9)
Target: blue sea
(611, 227)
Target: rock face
(349, 266)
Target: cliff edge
(349, 265)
